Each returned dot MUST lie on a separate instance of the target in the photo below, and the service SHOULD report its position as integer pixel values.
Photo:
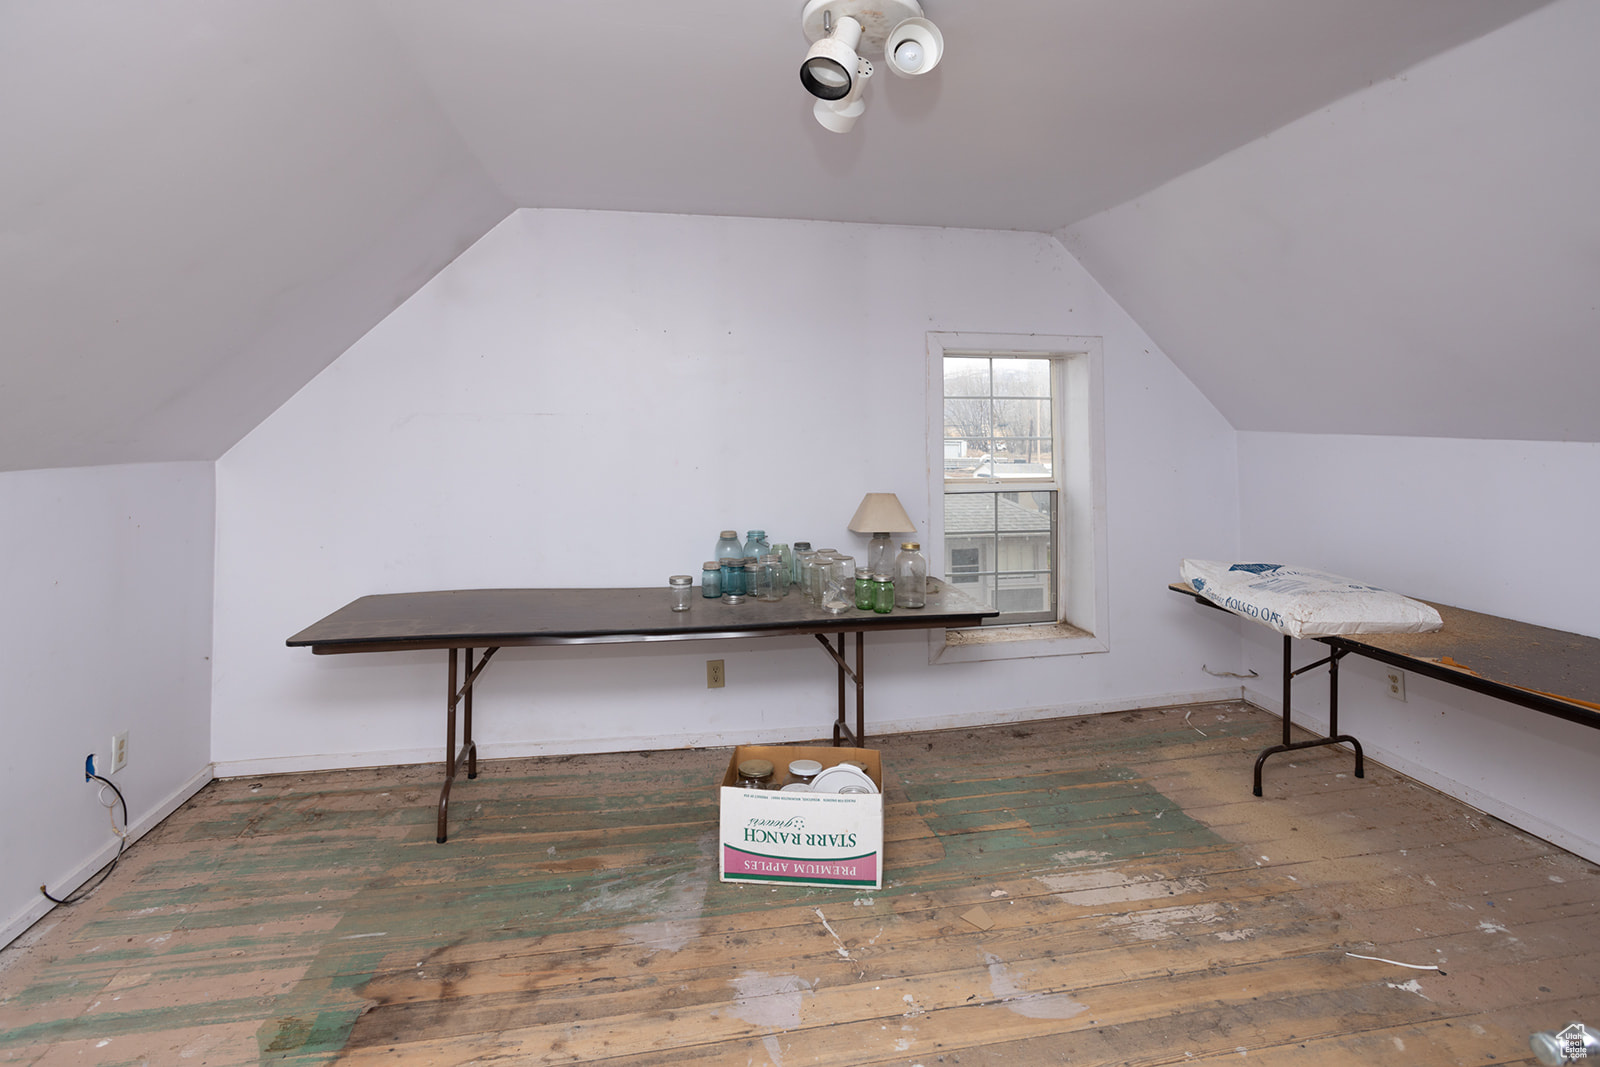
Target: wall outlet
(715, 678)
(1396, 681)
(119, 751)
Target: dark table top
(1516, 655)
(458, 618)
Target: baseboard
(712, 739)
(19, 923)
(1539, 827)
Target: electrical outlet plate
(715, 678)
(1395, 681)
(119, 751)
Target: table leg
(468, 753)
(841, 721)
(1334, 736)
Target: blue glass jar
(733, 576)
(711, 579)
(755, 544)
(728, 547)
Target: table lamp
(880, 515)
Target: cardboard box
(826, 839)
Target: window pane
(1016, 417)
(968, 417)
(966, 376)
(1020, 377)
(1022, 457)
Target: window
(1000, 488)
(1014, 447)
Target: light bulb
(908, 56)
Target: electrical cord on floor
(122, 843)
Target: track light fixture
(841, 32)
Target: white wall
(1502, 527)
(106, 581)
(586, 398)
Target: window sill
(980, 643)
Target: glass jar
(733, 576)
(774, 579)
(882, 593)
(801, 549)
(801, 771)
(786, 557)
(681, 587)
(755, 544)
(754, 774)
(809, 576)
(753, 575)
(910, 577)
(728, 546)
(863, 589)
(839, 585)
(711, 579)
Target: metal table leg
(841, 724)
(1334, 736)
(469, 747)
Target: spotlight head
(913, 47)
(829, 70)
(840, 115)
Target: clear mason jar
(754, 774)
(774, 579)
(839, 585)
(681, 587)
(910, 577)
(801, 549)
(755, 581)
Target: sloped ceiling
(202, 204)
(1420, 259)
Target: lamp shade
(881, 513)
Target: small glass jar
(882, 593)
(755, 774)
(801, 550)
(755, 544)
(733, 576)
(809, 567)
(863, 589)
(801, 771)
(774, 580)
(786, 557)
(681, 587)
(755, 581)
(910, 577)
(728, 546)
(711, 579)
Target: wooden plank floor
(1145, 909)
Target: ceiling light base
(877, 18)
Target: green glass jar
(882, 593)
(863, 589)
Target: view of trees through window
(1001, 496)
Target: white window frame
(1082, 623)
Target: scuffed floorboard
(1141, 907)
